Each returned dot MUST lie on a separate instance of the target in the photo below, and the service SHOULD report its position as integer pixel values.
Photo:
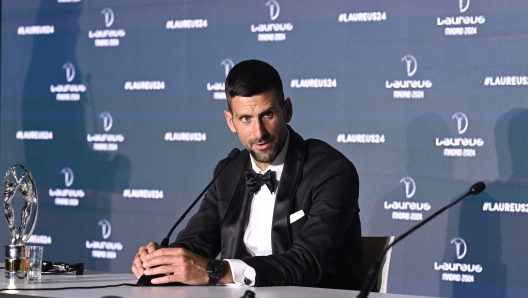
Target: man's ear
(229, 120)
(288, 110)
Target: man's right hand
(141, 257)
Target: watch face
(215, 268)
(216, 272)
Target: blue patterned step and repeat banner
(117, 108)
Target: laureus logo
(464, 144)
(105, 141)
(409, 88)
(406, 209)
(107, 121)
(227, 64)
(462, 122)
(218, 88)
(108, 16)
(272, 31)
(106, 228)
(412, 64)
(410, 186)
(462, 25)
(68, 176)
(104, 249)
(107, 37)
(459, 271)
(66, 196)
(463, 5)
(70, 71)
(68, 91)
(460, 246)
(274, 9)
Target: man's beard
(271, 153)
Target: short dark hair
(252, 77)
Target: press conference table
(98, 279)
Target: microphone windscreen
(234, 153)
(477, 188)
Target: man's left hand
(182, 265)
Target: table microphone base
(146, 281)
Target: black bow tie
(254, 181)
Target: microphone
(475, 189)
(144, 280)
(248, 294)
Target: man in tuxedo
(284, 212)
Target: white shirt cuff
(242, 273)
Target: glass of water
(35, 262)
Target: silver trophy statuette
(16, 254)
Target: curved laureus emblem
(463, 5)
(28, 189)
(462, 122)
(68, 176)
(108, 15)
(410, 186)
(274, 9)
(461, 247)
(106, 228)
(70, 71)
(107, 121)
(227, 64)
(412, 64)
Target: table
(97, 279)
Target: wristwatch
(215, 269)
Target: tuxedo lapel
(234, 221)
(291, 173)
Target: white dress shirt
(257, 237)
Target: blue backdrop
(116, 108)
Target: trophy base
(16, 265)
(16, 278)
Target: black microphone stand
(373, 272)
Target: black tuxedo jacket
(322, 249)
